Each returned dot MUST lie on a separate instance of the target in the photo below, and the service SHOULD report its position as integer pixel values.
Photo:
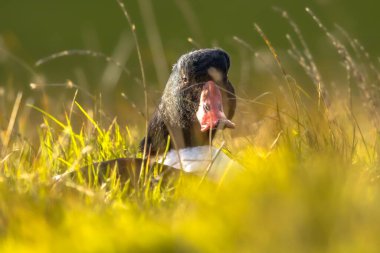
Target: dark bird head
(198, 99)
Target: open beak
(210, 112)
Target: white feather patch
(200, 159)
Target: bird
(197, 101)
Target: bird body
(198, 99)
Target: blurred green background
(31, 30)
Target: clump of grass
(313, 186)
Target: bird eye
(206, 107)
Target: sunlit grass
(314, 190)
(316, 202)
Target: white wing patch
(199, 159)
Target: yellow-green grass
(310, 185)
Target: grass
(311, 182)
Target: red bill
(210, 112)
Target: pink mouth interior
(210, 112)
